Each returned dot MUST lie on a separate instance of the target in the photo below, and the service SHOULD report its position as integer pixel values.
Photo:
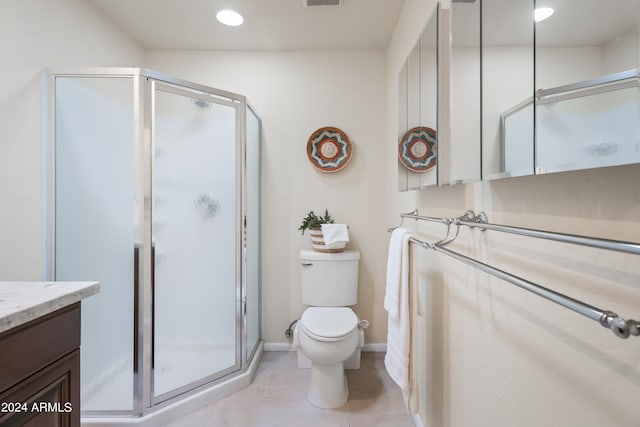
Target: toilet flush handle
(306, 264)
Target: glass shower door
(195, 229)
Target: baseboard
(279, 346)
(375, 347)
(380, 347)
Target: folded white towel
(398, 303)
(335, 235)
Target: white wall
(492, 354)
(511, 358)
(297, 93)
(37, 34)
(622, 53)
(557, 66)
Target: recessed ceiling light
(230, 17)
(542, 13)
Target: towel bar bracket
(620, 327)
(481, 218)
(634, 327)
(472, 220)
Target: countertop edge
(34, 311)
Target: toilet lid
(329, 322)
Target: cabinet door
(48, 398)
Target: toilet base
(328, 386)
(351, 363)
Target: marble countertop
(21, 302)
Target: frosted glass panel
(195, 236)
(253, 231)
(94, 233)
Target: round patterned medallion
(329, 149)
(417, 149)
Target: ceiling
(268, 24)
(586, 22)
(358, 24)
(574, 23)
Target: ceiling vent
(323, 2)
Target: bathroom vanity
(40, 352)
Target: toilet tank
(329, 279)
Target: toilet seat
(329, 323)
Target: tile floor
(277, 397)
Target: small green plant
(314, 221)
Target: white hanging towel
(398, 254)
(335, 235)
(397, 302)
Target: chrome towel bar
(608, 319)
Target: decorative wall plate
(417, 149)
(329, 149)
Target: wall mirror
(587, 88)
(418, 113)
(583, 109)
(465, 92)
(507, 88)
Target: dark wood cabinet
(40, 371)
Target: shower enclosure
(152, 187)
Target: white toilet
(327, 333)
